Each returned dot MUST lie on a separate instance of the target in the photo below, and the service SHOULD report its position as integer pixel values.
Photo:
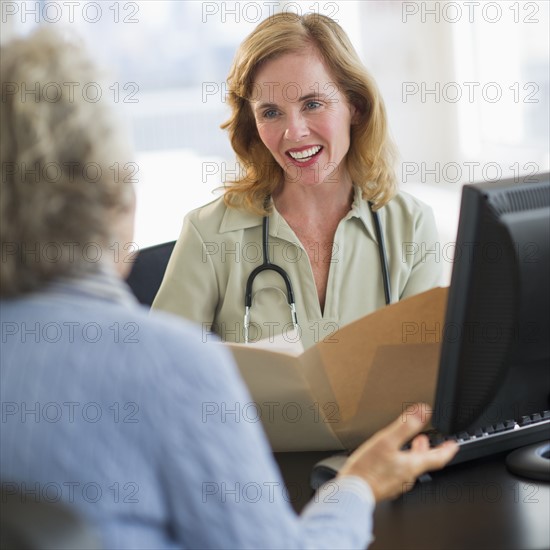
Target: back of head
(59, 145)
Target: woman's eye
(270, 113)
(313, 105)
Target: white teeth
(306, 154)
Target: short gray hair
(60, 186)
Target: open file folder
(343, 389)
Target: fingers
(383, 464)
(427, 460)
(436, 458)
(420, 443)
(409, 423)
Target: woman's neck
(319, 202)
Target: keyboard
(499, 437)
(492, 439)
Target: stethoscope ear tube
(382, 253)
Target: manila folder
(342, 390)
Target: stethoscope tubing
(268, 266)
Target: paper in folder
(343, 389)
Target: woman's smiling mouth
(304, 155)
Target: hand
(385, 467)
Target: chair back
(148, 271)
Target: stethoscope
(268, 266)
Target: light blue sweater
(109, 408)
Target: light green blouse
(219, 247)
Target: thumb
(409, 423)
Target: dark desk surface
(474, 505)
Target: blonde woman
(317, 198)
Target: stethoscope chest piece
(267, 266)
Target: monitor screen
(495, 355)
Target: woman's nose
(297, 128)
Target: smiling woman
(310, 58)
(309, 130)
(307, 133)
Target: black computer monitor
(495, 357)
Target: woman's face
(302, 118)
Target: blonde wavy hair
(371, 156)
(60, 191)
